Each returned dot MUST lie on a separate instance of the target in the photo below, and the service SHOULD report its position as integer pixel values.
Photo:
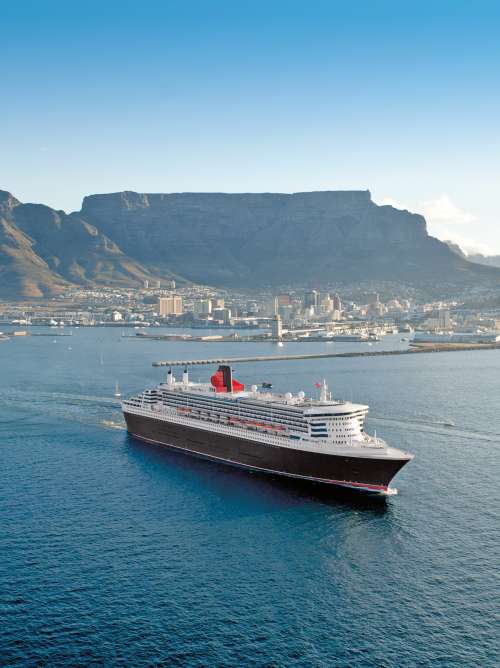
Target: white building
(203, 307)
(276, 328)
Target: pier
(415, 350)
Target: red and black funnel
(223, 380)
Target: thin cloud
(442, 211)
(443, 217)
(389, 201)
(468, 246)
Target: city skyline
(174, 96)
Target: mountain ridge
(476, 258)
(44, 252)
(486, 260)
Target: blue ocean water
(119, 553)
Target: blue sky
(402, 98)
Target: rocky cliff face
(240, 240)
(256, 239)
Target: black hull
(364, 473)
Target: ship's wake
(82, 408)
(438, 427)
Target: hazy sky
(402, 98)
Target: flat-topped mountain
(230, 240)
(257, 239)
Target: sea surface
(118, 553)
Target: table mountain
(231, 240)
(272, 239)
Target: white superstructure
(293, 421)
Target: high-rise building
(284, 299)
(444, 318)
(327, 304)
(285, 313)
(337, 303)
(170, 305)
(223, 314)
(203, 307)
(268, 307)
(311, 298)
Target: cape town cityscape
(249, 334)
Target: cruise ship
(314, 439)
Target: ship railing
(228, 428)
(261, 436)
(373, 442)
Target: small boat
(118, 394)
(266, 386)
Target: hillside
(477, 258)
(43, 252)
(487, 260)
